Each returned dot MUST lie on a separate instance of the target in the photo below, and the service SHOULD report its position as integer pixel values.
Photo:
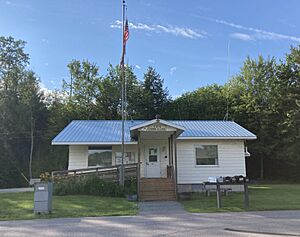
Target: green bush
(130, 186)
(92, 185)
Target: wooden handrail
(92, 169)
(96, 167)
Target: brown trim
(138, 175)
(175, 165)
(170, 150)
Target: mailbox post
(43, 197)
(246, 193)
(219, 202)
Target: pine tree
(156, 97)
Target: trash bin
(43, 197)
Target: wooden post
(261, 166)
(246, 195)
(170, 151)
(219, 203)
(175, 164)
(138, 173)
(118, 173)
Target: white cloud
(185, 32)
(45, 90)
(241, 36)
(202, 66)
(137, 66)
(174, 30)
(258, 33)
(141, 26)
(176, 96)
(151, 61)
(172, 70)
(45, 41)
(19, 5)
(116, 25)
(51, 95)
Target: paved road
(16, 190)
(159, 220)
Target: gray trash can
(43, 197)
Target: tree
(288, 102)
(82, 89)
(21, 111)
(253, 106)
(204, 103)
(13, 60)
(155, 96)
(35, 111)
(109, 97)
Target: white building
(180, 153)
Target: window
(152, 154)
(207, 155)
(129, 158)
(100, 156)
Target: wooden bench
(214, 190)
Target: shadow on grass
(262, 197)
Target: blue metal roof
(110, 131)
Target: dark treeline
(263, 97)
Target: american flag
(126, 32)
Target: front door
(153, 162)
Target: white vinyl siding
(231, 160)
(128, 148)
(78, 157)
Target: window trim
(208, 166)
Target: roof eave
(217, 138)
(91, 143)
(153, 121)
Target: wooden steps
(157, 189)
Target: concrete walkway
(16, 190)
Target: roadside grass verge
(19, 206)
(262, 197)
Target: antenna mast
(228, 77)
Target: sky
(185, 41)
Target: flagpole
(122, 175)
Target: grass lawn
(19, 206)
(262, 197)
